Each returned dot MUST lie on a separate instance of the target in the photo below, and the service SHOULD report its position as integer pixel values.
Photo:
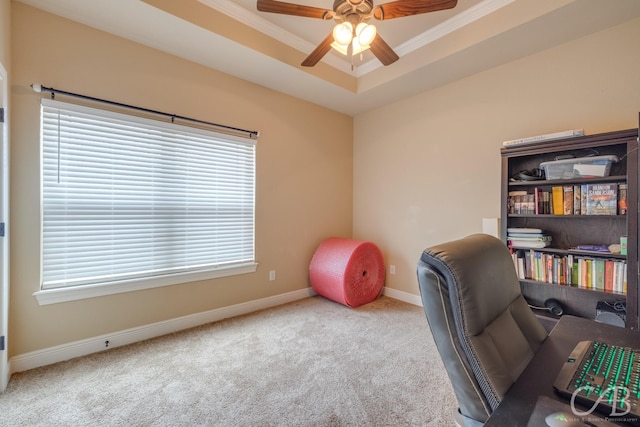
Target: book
(567, 198)
(531, 208)
(576, 200)
(593, 248)
(528, 238)
(602, 199)
(532, 237)
(546, 202)
(542, 138)
(622, 199)
(539, 201)
(524, 230)
(557, 195)
(599, 274)
(608, 275)
(514, 202)
(532, 244)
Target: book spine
(583, 199)
(622, 199)
(599, 278)
(558, 200)
(567, 197)
(608, 275)
(576, 200)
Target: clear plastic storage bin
(595, 166)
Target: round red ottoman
(347, 271)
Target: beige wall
(304, 173)
(427, 169)
(5, 32)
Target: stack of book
(588, 199)
(527, 238)
(578, 199)
(601, 274)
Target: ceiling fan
(352, 34)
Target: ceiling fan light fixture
(357, 47)
(365, 33)
(349, 13)
(343, 33)
(343, 49)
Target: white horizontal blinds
(126, 198)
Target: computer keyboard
(604, 377)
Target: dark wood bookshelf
(569, 231)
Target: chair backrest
(484, 330)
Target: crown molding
(258, 23)
(251, 19)
(452, 24)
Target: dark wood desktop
(537, 379)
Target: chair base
(457, 418)
(463, 421)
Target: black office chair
(484, 330)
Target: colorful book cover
(567, 198)
(622, 199)
(599, 274)
(557, 195)
(539, 204)
(608, 275)
(575, 271)
(576, 200)
(531, 208)
(546, 202)
(602, 199)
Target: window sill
(54, 296)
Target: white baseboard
(403, 296)
(4, 381)
(48, 356)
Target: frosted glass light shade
(365, 33)
(343, 33)
(343, 49)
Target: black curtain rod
(39, 88)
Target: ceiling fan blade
(274, 6)
(400, 8)
(318, 52)
(383, 51)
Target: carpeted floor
(308, 363)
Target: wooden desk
(538, 377)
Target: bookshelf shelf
(571, 230)
(552, 182)
(569, 289)
(570, 251)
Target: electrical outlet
(392, 269)
(272, 275)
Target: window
(131, 203)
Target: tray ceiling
(265, 48)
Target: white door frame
(5, 372)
